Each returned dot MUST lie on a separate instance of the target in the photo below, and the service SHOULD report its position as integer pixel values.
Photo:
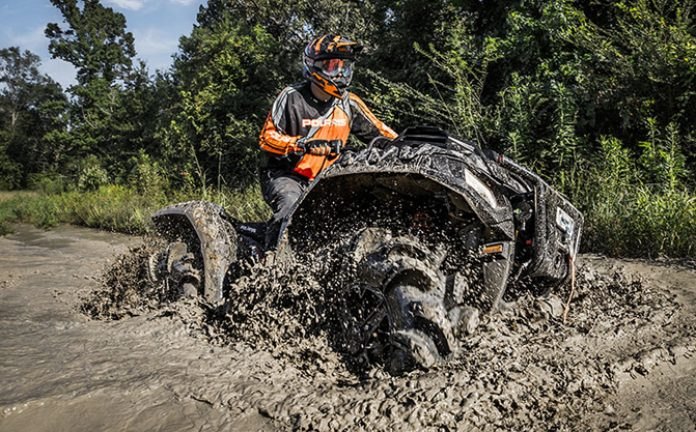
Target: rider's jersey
(297, 114)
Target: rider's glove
(320, 147)
(336, 146)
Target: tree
(33, 107)
(95, 41)
(225, 75)
(228, 71)
(109, 118)
(642, 67)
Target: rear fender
(205, 227)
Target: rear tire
(177, 267)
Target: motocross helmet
(328, 62)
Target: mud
(625, 360)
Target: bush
(91, 174)
(48, 183)
(626, 216)
(118, 208)
(39, 210)
(147, 176)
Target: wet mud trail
(626, 359)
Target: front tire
(409, 293)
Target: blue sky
(155, 24)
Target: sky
(156, 26)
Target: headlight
(480, 188)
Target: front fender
(447, 168)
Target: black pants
(281, 189)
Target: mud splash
(127, 290)
(624, 360)
(522, 369)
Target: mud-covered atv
(424, 232)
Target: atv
(426, 232)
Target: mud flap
(495, 276)
(204, 227)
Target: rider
(309, 124)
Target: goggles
(333, 67)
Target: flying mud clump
(305, 306)
(127, 289)
(280, 305)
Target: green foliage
(10, 170)
(95, 41)
(662, 163)
(48, 183)
(6, 209)
(452, 97)
(147, 176)
(245, 204)
(117, 208)
(113, 115)
(542, 81)
(91, 175)
(596, 96)
(535, 104)
(28, 208)
(111, 207)
(516, 118)
(226, 75)
(642, 66)
(627, 216)
(32, 107)
(114, 207)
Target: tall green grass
(633, 207)
(117, 208)
(638, 211)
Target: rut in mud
(523, 368)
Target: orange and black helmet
(328, 62)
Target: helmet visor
(335, 67)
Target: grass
(630, 213)
(8, 201)
(640, 222)
(8, 195)
(115, 208)
(623, 217)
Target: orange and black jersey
(297, 114)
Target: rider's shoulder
(292, 88)
(355, 99)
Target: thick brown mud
(625, 359)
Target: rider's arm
(273, 139)
(365, 125)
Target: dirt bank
(625, 360)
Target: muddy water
(625, 360)
(61, 371)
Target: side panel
(557, 226)
(215, 236)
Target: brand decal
(324, 122)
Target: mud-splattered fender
(205, 228)
(448, 168)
